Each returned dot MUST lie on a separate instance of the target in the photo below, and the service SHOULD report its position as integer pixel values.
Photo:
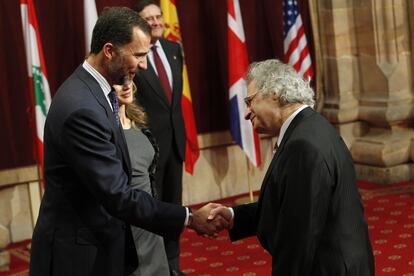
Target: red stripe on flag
(33, 21)
(295, 42)
(192, 150)
(302, 56)
(309, 73)
(238, 62)
(230, 8)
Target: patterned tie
(162, 74)
(115, 106)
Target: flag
(295, 45)
(241, 129)
(38, 84)
(90, 16)
(172, 32)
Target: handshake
(210, 219)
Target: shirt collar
(157, 44)
(103, 83)
(286, 124)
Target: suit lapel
(96, 90)
(152, 79)
(296, 121)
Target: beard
(127, 80)
(116, 72)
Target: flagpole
(40, 179)
(251, 198)
(249, 181)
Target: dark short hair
(115, 25)
(140, 5)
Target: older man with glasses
(309, 215)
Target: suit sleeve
(245, 221)
(301, 213)
(90, 144)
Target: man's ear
(274, 97)
(109, 50)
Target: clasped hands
(210, 219)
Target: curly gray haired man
(274, 77)
(309, 215)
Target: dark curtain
(204, 32)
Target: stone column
(4, 254)
(384, 58)
(341, 77)
(366, 52)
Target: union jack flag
(241, 130)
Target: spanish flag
(172, 32)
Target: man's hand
(209, 227)
(224, 212)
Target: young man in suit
(309, 215)
(159, 92)
(83, 224)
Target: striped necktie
(115, 106)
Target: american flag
(295, 44)
(241, 130)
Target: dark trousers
(168, 184)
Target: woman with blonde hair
(143, 153)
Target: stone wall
(366, 60)
(19, 205)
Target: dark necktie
(162, 74)
(115, 106)
(275, 148)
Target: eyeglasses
(248, 100)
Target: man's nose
(142, 64)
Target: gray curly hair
(274, 77)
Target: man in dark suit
(309, 215)
(159, 92)
(83, 224)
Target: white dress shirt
(164, 61)
(103, 83)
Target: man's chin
(119, 81)
(155, 35)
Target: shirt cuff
(232, 213)
(187, 214)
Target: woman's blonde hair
(135, 112)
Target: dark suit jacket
(82, 227)
(165, 121)
(309, 215)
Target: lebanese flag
(241, 129)
(38, 84)
(172, 32)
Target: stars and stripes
(296, 52)
(241, 130)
